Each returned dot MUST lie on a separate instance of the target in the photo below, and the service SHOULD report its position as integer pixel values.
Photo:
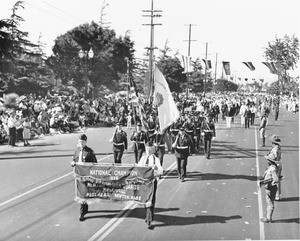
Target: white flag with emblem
(167, 110)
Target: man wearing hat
(151, 160)
(276, 151)
(182, 145)
(190, 130)
(270, 180)
(262, 129)
(119, 140)
(209, 131)
(139, 137)
(83, 154)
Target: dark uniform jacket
(183, 146)
(88, 155)
(210, 128)
(139, 140)
(120, 141)
(189, 128)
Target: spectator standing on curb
(26, 131)
(270, 180)
(276, 152)
(11, 123)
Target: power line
(49, 13)
(64, 12)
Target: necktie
(147, 160)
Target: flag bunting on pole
(163, 99)
(186, 63)
(249, 65)
(226, 66)
(262, 80)
(271, 67)
(207, 63)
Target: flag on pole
(143, 116)
(133, 93)
(249, 65)
(262, 80)
(207, 63)
(271, 67)
(226, 66)
(163, 99)
(186, 63)
(239, 78)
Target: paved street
(219, 200)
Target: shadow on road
(290, 220)
(289, 199)
(199, 176)
(167, 220)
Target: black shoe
(149, 226)
(182, 179)
(81, 218)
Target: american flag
(136, 101)
(133, 93)
(143, 115)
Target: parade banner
(99, 182)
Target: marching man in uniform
(119, 140)
(83, 154)
(140, 138)
(182, 146)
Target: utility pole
(216, 67)
(189, 54)
(205, 69)
(151, 48)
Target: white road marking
(114, 222)
(39, 187)
(259, 198)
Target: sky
(233, 30)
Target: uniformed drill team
(191, 134)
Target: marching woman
(149, 159)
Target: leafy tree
(173, 72)
(224, 85)
(285, 54)
(107, 65)
(21, 65)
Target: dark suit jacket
(88, 155)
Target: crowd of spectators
(58, 114)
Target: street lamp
(86, 55)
